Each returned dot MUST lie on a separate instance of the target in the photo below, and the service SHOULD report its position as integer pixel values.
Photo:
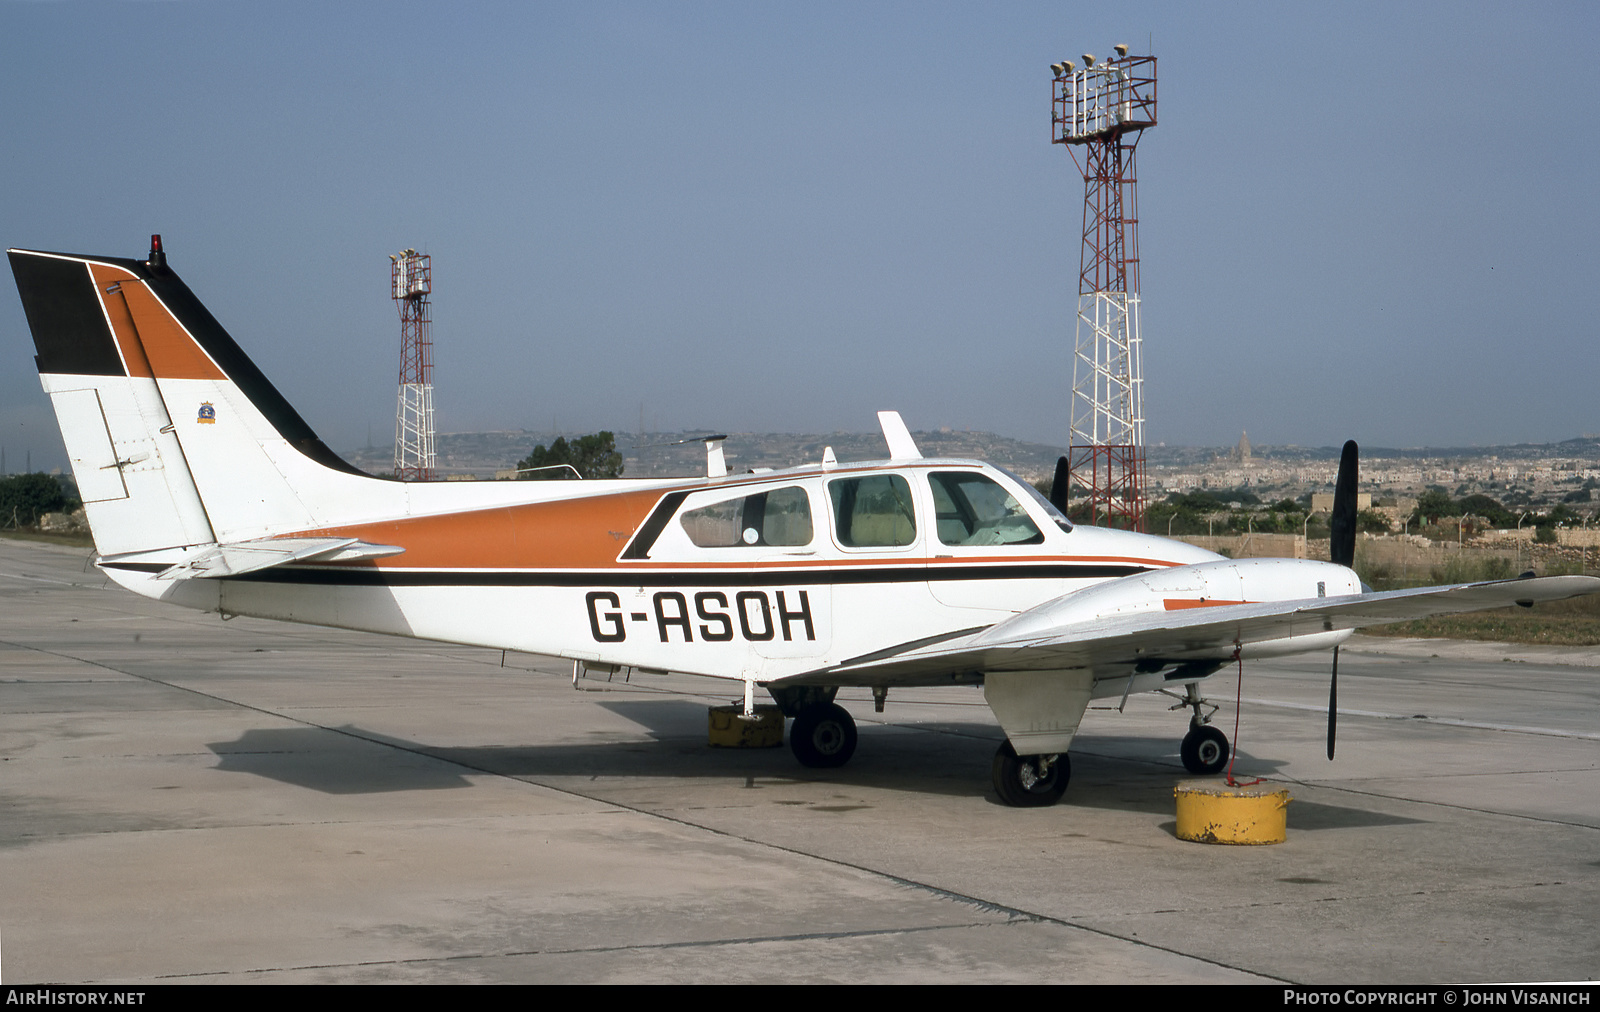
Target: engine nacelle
(1202, 585)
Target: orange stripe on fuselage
(1005, 560)
(565, 534)
(1181, 604)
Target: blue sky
(1358, 220)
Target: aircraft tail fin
(174, 436)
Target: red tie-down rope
(1237, 704)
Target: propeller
(1333, 702)
(1060, 487)
(1342, 521)
(1342, 549)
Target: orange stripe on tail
(169, 351)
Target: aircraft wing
(1193, 634)
(238, 557)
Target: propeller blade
(1060, 487)
(1333, 702)
(1342, 522)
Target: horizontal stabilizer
(1190, 635)
(240, 557)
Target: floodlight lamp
(1058, 69)
(1088, 59)
(1121, 48)
(1069, 65)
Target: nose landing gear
(1205, 748)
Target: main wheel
(1029, 781)
(1205, 750)
(823, 736)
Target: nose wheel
(1029, 781)
(1204, 750)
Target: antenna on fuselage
(895, 433)
(716, 463)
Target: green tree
(1433, 504)
(1483, 506)
(1372, 522)
(23, 497)
(593, 456)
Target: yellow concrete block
(1209, 811)
(730, 728)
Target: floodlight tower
(1100, 111)
(412, 277)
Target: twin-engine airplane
(206, 489)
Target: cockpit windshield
(1039, 498)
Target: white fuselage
(689, 602)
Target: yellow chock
(730, 728)
(1209, 811)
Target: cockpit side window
(973, 509)
(779, 517)
(873, 512)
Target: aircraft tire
(823, 736)
(1204, 751)
(1017, 779)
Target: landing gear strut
(1205, 749)
(1029, 781)
(823, 735)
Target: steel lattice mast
(1100, 111)
(412, 276)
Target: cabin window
(873, 512)
(974, 509)
(779, 518)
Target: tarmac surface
(187, 799)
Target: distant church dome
(1242, 453)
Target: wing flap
(1211, 633)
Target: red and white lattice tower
(1099, 111)
(413, 420)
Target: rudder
(129, 465)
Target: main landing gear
(823, 735)
(1029, 781)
